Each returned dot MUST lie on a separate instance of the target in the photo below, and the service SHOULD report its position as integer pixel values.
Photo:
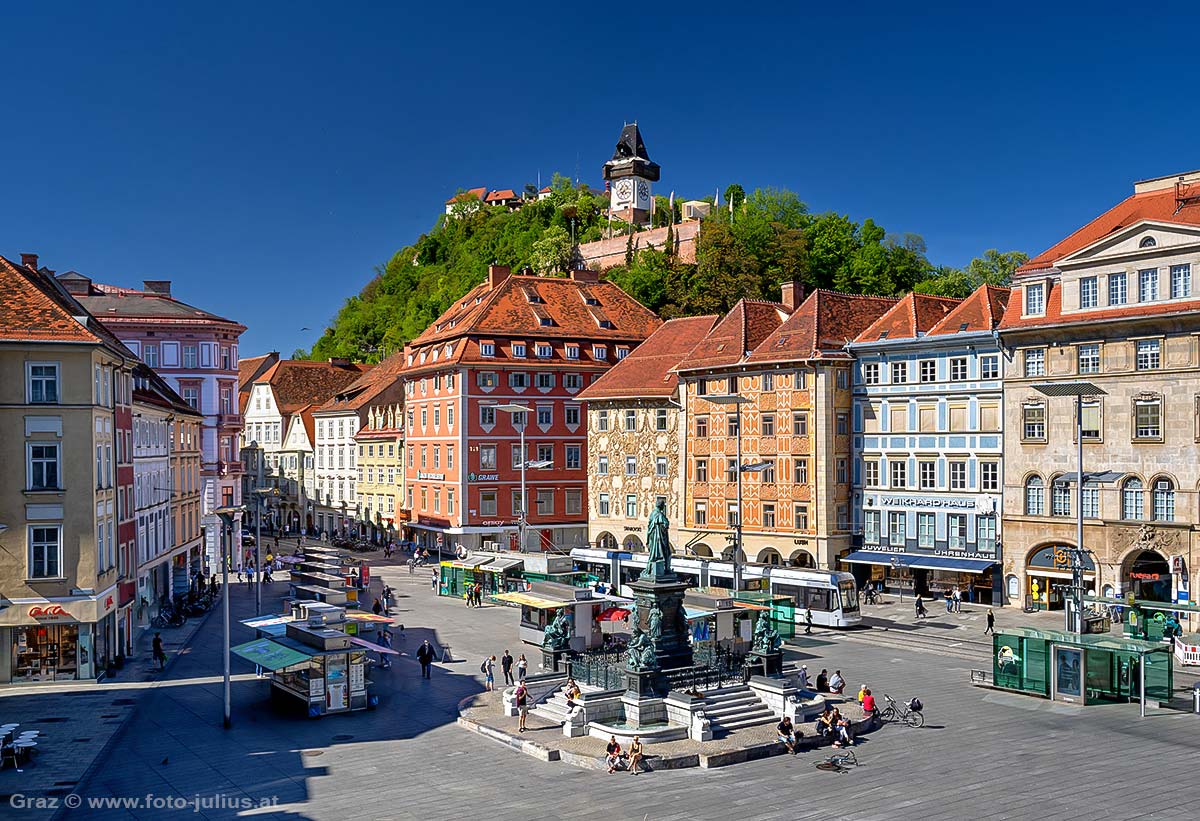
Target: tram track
(912, 640)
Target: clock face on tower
(643, 191)
(623, 189)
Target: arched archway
(633, 544)
(727, 554)
(702, 550)
(1148, 575)
(606, 541)
(802, 558)
(769, 555)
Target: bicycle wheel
(830, 766)
(888, 715)
(915, 719)
(848, 759)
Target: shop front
(927, 574)
(1148, 575)
(61, 640)
(1048, 577)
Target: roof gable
(981, 311)
(823, 324)
(911, 317)
(649, 370)
(297, 383)
(738, 333)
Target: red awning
(613, 614)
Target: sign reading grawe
(47, 611)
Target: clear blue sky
(267, 156)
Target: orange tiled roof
(510, 311)
(1054, 315)
(981, 311)
(913, 315)
(469, 194)
(739, 332)
(297, 383)
(649, 371)
(362, 390)
(499, 196)
(1158, 205)
(822, 326)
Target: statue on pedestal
(557, 635)
(654, 623)
(658, 564)
(640, 656)
(766, 637)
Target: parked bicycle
(910, 712)
(839, 762)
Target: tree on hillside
(552, 253)
(993, 268)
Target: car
(247, 537)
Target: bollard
(1196, 698)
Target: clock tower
(629, 174)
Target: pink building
(197, 353)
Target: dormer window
(518, 350)
(591, 300)
(487, 349)
(599, 353)
(607, 324)
(572, 351)
(544, 351)
(1035, 299)
(622, 353)
(546, 322)
(1147, 242)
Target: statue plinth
(765, 664)
(554, 661)
(658, 604)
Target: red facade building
(525, 341)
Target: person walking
(489, 673)
(522, 667)
(159, 654)
(433, 581)
(521, 697)
(425, 657)
(506, 665)
(919, 606)
(949, 602)
(377, 608)
(957, 600)
(991, 624)
(385, 640)
(807, 620)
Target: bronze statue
(640, 655)
(654, 623)
(557, 635)
(766, 637)
(658, 543)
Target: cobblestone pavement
(983, 754)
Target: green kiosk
(1082, 669)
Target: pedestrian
(506, 664)
(239, 574)
(991, 623)
(250, 577)
(425, 657)
(488, 668)
(802, 679)
(919, 606)
(522, 667)
(159, 654)
(823, 681)
(949, 602)
(807, 620)
(521, 697)
(377, 608)
(433, 581)
(385, 640)
(837, 684)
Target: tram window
(849, 596)
(814, 598)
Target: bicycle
(910, 712)
(839, 762)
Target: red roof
(500, 196)
(912, 316)
(1054, 315)
(649, 370)
(738, 333)
(1156, 201)
(981, 311)
(530, 307)
(469, 194)
(297, 383)
(822, 326)
(362, 390)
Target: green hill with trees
(748, 246)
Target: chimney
(793, 294)
(162, 287)
(496, 275)
(584, 275)
(77, 285)
(29, 261)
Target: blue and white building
(928, 447)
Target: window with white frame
(927, 474)
(871, 526)
(926, 530)
(958, 475)
(622, 352)
(1035, 299)
(1091, 419)
(897, 528)
(928, 370)
(768, 516)
(1147, 418)
(1089, 292)
(768, 382)
(1035, 496)
(898, 473)
(518, 379)
(545, 380)
(599, 352)
(573, 502)
(1133, 499)
(870, 372)
(571, 414)
(545, 415)
(958, 369)
(1035, 362)
(989, 477)
(871, 473)
(545, 502)
(1060, 498)
(1149, 353)
(801, 517)
(602, 420)
(630, 421)
(660, 466)
(841, 472)
(486, 379)
(43, 466)
(573, 457)
(989, 367)
(1181, 281)
(1118, 289)
(544, 351)
(150, 355)
(631, 506)
(985, 534)
(660, 419)
(487, 502)
(45, 551)
(800, 423)
(800, 470)
(487, 415)
(630, 465)
(1089, 358)
(899, 373)
(1148, 285)
(43, 383)
(1033, 421)
(1163, 500)
(572, 351)
(956, 527)
(572, 381)
(602, 464)
(1091, 500)
(701, 469)
(700, 513)
(189, 356)
(487, 349)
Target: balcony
(230, 420)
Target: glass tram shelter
(1082, 669)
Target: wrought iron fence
(598, 670)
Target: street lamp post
(522, 521)
(226, 514)
(262, 494)
(737, 401)
(1078, 390)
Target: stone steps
(733, 708)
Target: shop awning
(378, 648)
(271, 625)
(613, 614)
(269, 654)
(502, 565)
(473, 561)
(695, 613)
(918, 561)
(352, 615)
(530, 600)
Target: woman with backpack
(488, 668)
